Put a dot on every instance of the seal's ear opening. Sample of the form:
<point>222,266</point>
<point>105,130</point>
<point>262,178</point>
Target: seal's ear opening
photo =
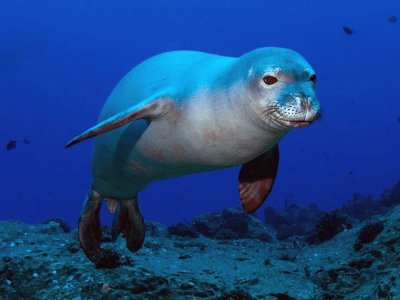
<point>144,110</point>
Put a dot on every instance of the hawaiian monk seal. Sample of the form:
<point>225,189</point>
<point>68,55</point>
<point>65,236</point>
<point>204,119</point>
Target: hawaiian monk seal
<point>185,112</point>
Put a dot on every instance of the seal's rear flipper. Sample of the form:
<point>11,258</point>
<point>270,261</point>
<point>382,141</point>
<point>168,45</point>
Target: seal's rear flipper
<point>148,109</point>
<point>89,230</point>
<point>129,221</point>
<point>256,179</point>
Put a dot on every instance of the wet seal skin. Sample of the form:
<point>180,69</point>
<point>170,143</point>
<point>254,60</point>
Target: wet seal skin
<point>186,112</point>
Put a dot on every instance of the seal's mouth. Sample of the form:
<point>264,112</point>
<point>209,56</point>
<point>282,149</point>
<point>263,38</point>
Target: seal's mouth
<point>290,116</point>
<point>280,120</point>
<point>293,123</point>
<point>297,123</point>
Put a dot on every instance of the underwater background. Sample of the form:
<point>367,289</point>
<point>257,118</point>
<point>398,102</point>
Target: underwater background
<point>59,61</point>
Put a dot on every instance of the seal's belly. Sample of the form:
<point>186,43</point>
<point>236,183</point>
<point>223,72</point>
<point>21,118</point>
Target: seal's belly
<point>168,149</point>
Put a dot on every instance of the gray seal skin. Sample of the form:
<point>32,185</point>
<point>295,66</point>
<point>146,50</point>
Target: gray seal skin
<point>186,112</point>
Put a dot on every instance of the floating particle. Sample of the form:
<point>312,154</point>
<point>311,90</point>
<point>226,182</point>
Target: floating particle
<point>392,19</point>
<point>347,30</point>
<point>11,145</point>
<point>26,141</point>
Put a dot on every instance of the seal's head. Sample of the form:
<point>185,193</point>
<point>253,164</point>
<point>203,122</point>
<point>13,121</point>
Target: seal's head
<point>281,87</point>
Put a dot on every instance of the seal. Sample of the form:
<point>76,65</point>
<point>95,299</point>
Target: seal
<point>185,112</point>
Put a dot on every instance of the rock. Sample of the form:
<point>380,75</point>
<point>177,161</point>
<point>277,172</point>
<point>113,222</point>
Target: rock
<point>226,234</point>
<point>42,262</point>
<point>282,296</point>
<point>51,228</point>
<point>360,207</point>
<point>75,235</point>
<point>108,260</point>
<point>293,220</point>
<point>208,225</point>
<point>232,224</point>
<point>155,229</point>
<point>64,226</point>
<point>72,247</point>
<point>284,232</point>
<point>106,235</point>
<point>274,218</point>
<point>183,230</point>
<point>235,295</point>
<point>391,196</point>
<point>361,263</point>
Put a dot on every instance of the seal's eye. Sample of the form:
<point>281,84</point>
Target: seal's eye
<point>269,80</point>
<point>313,78</point>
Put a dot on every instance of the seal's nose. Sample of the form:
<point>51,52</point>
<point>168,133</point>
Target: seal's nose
<point>308,106</point>
<point>303,103</point>
<point>312,109</point>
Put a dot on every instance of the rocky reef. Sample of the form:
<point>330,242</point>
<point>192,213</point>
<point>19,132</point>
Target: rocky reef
<point>298,253</point>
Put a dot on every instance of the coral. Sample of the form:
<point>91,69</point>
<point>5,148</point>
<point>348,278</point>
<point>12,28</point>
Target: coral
<point>370,231</point>
<point>368,234</point>
<point>331,224</point>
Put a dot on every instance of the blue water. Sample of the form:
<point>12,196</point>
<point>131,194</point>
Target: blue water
<point>59,60</point>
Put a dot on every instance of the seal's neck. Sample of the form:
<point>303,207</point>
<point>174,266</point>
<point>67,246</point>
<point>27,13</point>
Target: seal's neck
<point>259,133</point>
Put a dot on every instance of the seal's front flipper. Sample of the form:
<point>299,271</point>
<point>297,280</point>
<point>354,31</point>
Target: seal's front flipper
<point>256,178</point>
<point>129,221</point>
<point>89,230</point>
<point>148,109</point>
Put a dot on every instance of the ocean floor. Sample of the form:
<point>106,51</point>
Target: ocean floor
<point>225,255</point>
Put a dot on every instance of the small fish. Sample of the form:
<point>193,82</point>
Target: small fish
<point>11,145</point>
<point>26,141</point>
<point>351,172</point>
<point>347,30</point>
<point>392,19</point>
<point>398,119</point>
